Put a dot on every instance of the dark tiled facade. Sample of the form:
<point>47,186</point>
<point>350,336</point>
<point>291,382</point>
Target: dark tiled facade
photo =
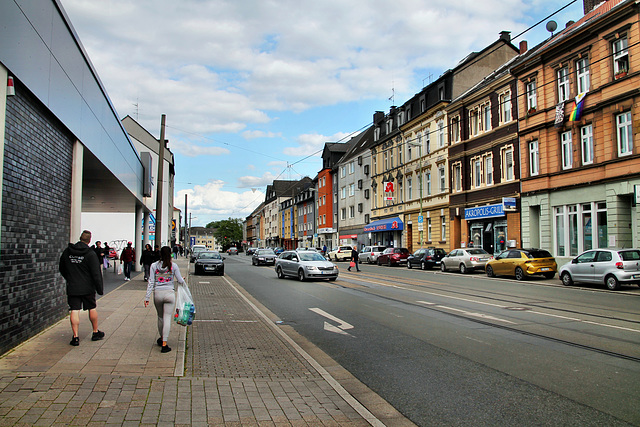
<point>36,198</point>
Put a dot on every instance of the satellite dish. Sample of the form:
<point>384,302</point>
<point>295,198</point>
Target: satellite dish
<point>551,26</point>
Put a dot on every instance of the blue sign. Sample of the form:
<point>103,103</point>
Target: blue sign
<point>489,211</point>
<point>420,218</point>
<point>193,240</point>
<point>390,224</point>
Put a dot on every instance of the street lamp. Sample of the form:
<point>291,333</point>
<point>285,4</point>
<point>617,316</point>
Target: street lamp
<point>420,218</point>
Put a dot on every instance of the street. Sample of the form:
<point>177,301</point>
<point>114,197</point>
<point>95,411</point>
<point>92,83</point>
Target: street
<point>445,348</point>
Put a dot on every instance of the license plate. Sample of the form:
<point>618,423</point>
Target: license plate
<point>545,269</point>
<point>209,268</point>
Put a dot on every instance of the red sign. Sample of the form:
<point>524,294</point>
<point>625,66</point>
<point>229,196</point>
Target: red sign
<point>388,187</point>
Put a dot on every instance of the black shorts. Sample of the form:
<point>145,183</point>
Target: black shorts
<point>82,302</point>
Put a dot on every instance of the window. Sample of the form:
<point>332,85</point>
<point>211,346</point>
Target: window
<point>576,227</point>
<point>376,133</point>
<point>457,176</point>
<point>343,213</point>
<point>563,84</point>
<point>389,126</point>
<point>534,158</point>
<point>409,189</point>
<point>343,171</point>
<point>443,229</point>
<point>567,150</point>
<point>391,164</point>
<point>385,157</point>
<point>352,211</point>
<point>427,141</point>
<point>532,95</point>
<point>582,75</point>
<point>488,169</point>
<point>440,133</point>
<point>476,169</point>
<point>620,56</point>
<point>586,142</point>
<point>352,167</point>
<point>408,151</point>
<point>442,178</point>
<point>455,129</point>
<point>474,122</point>
<point>505,107</point>
<point>507,163</point>
<point>428,179</point>
<point>375,164</point>
<point>486,117</point>
<point>625,134</point>
<point>352,189</point>
<point>428,229</point>
<point>343,193</point>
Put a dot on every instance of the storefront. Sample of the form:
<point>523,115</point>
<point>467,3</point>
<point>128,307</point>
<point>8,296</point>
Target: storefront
<point>385,232</point>
<point>489,227</point>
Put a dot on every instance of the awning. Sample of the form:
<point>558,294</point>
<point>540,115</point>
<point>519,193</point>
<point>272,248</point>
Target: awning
<point>388,224</point>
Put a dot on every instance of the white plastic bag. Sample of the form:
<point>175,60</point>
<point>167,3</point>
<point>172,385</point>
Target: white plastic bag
<point>120,269</point>
<point>185,308</point>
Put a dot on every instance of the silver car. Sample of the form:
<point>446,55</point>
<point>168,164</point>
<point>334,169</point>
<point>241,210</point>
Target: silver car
<point>465,260</point>
<point>263,256</point>
<point>370,254</point>
<point>609,266</point>
<point>305,265</point>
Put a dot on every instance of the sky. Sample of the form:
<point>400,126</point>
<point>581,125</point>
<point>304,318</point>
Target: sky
<point>253,89</point>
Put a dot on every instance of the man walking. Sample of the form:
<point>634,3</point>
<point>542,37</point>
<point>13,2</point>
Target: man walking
<point>79,266</point>
<point>128,257</point>
<point>354,259</point>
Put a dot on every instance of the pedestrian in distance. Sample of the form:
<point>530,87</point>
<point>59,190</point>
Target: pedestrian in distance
<point>99,250</point>
<point>147,258</point>
<point>80,268</point>
<point>106,255</point>
<point>128,257</point>
<point>162,278</point>
<point>354,258</point>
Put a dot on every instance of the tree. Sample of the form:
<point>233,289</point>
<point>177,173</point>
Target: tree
<point>227,231</point>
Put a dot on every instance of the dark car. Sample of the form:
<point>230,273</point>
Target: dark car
<point>426,258</point>
<point>393,256</point>
<point>195,249</point>
<point>250,251</point>
<point>264,256</point>
<point>209,262</point>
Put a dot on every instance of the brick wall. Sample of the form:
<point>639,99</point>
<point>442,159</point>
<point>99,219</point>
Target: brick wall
<point>35,219</point>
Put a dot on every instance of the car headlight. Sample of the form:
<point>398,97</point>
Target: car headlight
<point>312,267</point>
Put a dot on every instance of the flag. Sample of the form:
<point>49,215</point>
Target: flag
<point>578,104</point>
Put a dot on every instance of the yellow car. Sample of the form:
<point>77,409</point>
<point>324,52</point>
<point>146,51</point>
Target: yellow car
<point>522,263</point>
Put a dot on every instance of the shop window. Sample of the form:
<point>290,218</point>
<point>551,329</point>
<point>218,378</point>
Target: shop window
<point>574,226</point>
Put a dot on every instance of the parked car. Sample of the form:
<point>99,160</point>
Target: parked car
<point>209,262</point>
<point>194,251</point>
<point>305,265</point>
<point>341,253</point>
<point>465,260</point>
<point>264,256</point>
<point>232,250</point>
<point>370,254</point>
<point>278,251</point>
<point>426,258</point>
<point>393,256</point>
<point>522,263</point>
<point>611,267</point>
<point>113,254</point>
<point>250,251</point>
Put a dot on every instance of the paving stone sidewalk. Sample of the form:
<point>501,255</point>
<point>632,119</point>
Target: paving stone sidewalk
<point>231,367</point>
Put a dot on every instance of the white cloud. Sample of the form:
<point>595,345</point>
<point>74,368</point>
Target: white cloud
<point>256,181</point>
<point>312,143</point>
<point>253,134</point>
<point>211,201</point>
<point>192,150</point>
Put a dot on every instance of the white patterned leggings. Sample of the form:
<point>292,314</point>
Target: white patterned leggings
<point>164,301</point>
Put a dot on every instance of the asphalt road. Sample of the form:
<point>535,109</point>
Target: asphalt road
<point>451,349</point>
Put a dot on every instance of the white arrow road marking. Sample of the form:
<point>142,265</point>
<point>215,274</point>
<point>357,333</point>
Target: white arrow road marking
<point>342,325</point>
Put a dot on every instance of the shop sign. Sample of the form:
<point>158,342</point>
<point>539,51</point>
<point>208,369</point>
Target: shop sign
<point>509,204</point>
<point>489,211</point>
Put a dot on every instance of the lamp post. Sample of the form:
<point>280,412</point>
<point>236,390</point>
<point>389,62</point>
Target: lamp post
<point>420,218</point>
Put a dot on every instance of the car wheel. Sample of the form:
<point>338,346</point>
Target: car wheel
<point>519,274</point>
<point>423,265</point>
<point>369,261</point>
<point>612,282</point>
<point>301,275</point>
<point>335,258</point>
<point>549,276</point>
<point>443,267</point>
<point>222,272</point>
<point>490,272</point>
<point>408,265</point>
<point>333,279</point>
<point>379,262</point>
<point>279,273</point>
<point>566,279</point>
<point>463,268</point>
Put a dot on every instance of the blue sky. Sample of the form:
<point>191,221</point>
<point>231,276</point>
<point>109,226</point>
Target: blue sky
<point>252,86</point>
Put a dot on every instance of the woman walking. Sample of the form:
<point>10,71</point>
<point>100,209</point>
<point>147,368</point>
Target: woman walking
<point>147,258</point>
<point>162,276</point>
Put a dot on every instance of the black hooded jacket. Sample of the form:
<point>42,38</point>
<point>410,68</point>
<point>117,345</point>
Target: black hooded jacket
<point>80,267</point>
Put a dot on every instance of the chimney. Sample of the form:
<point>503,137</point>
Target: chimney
<point>523,47</point>
<point>589,5</point>
<point>506,36</point>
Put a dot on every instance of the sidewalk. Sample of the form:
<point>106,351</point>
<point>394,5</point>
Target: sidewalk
<point>232,367</point>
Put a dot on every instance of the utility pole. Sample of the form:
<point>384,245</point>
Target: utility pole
<point>160,186</point>
<point>187,240</point>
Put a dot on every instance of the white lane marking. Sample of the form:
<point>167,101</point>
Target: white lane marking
<point>470,313</point>
<point>587,321</point>
<point>339,329</point>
